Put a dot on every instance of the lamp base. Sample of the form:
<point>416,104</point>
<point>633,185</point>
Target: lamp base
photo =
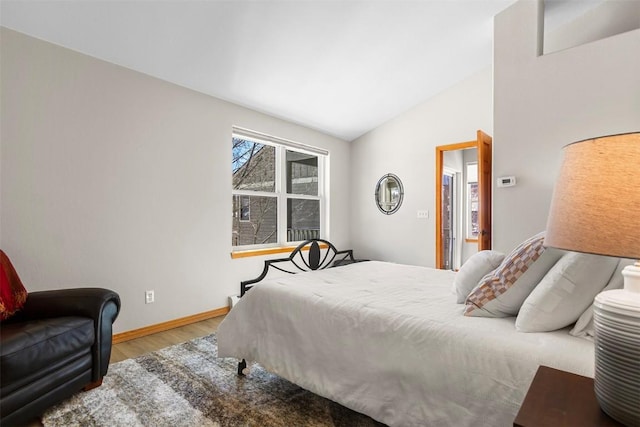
<point>616,318</point>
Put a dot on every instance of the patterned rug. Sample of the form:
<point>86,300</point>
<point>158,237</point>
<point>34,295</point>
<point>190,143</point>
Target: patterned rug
<point>188,385</point>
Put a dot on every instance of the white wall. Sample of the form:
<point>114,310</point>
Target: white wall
<point>588,87</point>
<point>406,146</point>
<point>545,102</point>
<point>115,179</point>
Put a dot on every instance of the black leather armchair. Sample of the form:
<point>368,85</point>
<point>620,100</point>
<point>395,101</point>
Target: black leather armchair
<point>58,344</point>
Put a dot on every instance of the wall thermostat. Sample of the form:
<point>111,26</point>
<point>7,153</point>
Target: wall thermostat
<point>506,181</point>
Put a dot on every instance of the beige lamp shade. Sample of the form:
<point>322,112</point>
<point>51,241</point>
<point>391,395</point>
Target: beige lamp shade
<point>596,201</point>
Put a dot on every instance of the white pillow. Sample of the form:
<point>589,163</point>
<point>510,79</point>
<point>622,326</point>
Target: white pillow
<point>565,292</point>
<point>474,269</point>
<point>584,325</point>
<point>502,292</point>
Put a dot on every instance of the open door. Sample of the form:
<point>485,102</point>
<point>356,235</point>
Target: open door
<point>483,143</point>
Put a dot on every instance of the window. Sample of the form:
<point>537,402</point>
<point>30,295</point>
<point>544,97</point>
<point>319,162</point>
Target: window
<point>245,208</point>
<point>472,200</point>
<point>277,191</point>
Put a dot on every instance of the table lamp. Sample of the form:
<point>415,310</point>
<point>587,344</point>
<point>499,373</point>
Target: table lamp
<point>596,209</point>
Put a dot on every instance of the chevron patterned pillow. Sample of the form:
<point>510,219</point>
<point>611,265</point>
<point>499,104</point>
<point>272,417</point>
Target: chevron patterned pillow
<point>502,292</point>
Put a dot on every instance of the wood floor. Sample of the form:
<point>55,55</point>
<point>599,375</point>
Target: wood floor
<point>140,346</point>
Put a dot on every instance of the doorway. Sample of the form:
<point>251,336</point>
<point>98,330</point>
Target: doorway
<point>450,208</point>
<point>468,213</point>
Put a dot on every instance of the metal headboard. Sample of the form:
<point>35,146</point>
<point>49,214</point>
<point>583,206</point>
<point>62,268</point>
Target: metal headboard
<point>297,261</point>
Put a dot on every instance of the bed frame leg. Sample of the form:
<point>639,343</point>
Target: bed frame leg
<point>242,368</point>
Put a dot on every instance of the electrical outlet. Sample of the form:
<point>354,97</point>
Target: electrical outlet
<point>149,297</point>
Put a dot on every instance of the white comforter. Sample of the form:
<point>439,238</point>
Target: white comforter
<point>389,341</point>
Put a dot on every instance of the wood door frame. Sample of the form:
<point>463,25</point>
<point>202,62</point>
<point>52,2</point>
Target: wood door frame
<point>440,150</point>
<point>485,186</point>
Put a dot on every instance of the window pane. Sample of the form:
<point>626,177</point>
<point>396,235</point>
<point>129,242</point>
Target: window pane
<point>245,208</point>
<point>302,173</point>
<point>253,166</point>
<point>303,219</point>
<point>472,172</point>
<point>254,220</point>
<point>473,229</point>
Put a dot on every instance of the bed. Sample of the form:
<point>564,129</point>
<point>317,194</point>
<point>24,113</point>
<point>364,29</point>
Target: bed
<point>389,341</point>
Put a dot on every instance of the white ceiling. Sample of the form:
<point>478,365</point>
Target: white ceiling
<point>342,67</point>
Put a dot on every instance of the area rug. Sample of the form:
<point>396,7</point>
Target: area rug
<point>188,385</point>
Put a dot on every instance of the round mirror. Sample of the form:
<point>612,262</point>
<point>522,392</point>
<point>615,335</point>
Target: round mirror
<point>389,194</point>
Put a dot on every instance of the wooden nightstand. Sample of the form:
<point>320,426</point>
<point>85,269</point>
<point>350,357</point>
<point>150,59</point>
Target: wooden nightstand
<point>558,398</point>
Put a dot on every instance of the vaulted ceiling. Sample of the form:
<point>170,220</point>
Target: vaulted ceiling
<point>342,67</point>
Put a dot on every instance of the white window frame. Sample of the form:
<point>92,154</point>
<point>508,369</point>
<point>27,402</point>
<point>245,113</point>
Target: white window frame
<point>281,146</point>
